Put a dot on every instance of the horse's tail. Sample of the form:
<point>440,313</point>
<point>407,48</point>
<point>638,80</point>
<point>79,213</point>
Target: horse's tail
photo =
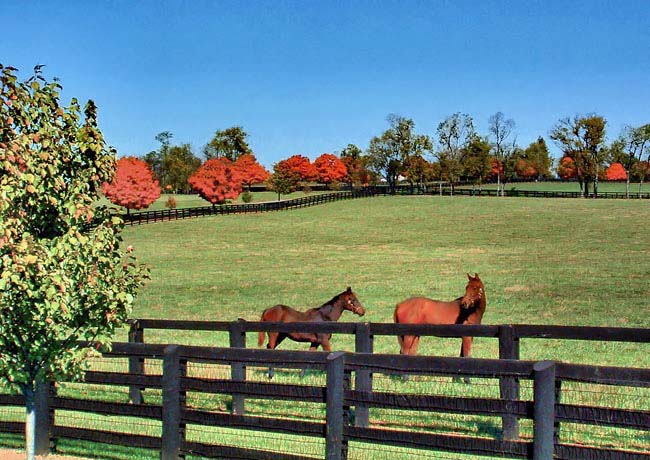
<point>262,334</point>
<point>400,338</point>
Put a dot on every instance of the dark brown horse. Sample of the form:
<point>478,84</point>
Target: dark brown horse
<point>329,311</point>
<point>467,309</point>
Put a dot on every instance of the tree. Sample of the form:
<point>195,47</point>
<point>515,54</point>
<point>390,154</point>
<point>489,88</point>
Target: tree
<point>155,158</point>
<point>454,134</point>
<point>250,170</point>
<point>352,158</point>
<point>616,171</point>
<point>217,180</point>
<point>501,128</point>
<point>629,149</point>
<point>388,153</point>
<point>64,278</point>
<point>477,163</point>
<point>179,163</point>
<point>284,179</point>
<point>539,158</point>
<point>133,185</point>
<point>566,168</point>
<point>418,171</point>
<point>302,167</point>
<point>330,168</point>
<point>581,138</point>
<point>228,143</point>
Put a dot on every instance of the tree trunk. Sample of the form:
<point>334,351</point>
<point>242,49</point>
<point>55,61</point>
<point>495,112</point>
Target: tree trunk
<point>30,423</point>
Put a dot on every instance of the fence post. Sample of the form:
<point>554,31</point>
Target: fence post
<point>334,406</point>
<point>173,398</point>
<point>237,336</point>
<point>136,364</point>
<point>363,344</point>
<point>544,410</point>
<point>509,386</point>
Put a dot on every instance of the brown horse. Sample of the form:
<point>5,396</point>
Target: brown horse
<point>329,311</point>
<point>467,309</point>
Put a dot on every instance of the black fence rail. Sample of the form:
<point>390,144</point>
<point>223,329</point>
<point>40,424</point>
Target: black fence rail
<point>145,217</point>
<point>185,396</point>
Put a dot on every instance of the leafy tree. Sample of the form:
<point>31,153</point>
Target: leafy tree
<point>330,168</point>
<point>454,134</point>
<point>616,171</point>
<point>228,143</point>
<point>387,154</point>
<point>501,128</point>
<point>419,171</point>
<point>155,158</point>
<point>301,165</point>
<point>629,149</point>
<point>217,180</point>
<point>538,157</point>
<point>63,280</point>
<point>477,163</point>
<point>352,158</point>
<point>250,170</point>
<point>179,163</point>
<point>284,179</point>
<point>566,168</point>
<point>581,138</point>
<point>642,171</point>
<point>133,185</point>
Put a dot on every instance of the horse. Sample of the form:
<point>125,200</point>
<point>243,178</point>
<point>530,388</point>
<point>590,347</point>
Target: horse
<point>468,309</point>
<point>329,311</point>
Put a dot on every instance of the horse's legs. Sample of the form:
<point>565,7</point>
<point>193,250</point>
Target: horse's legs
<point>275,338</point>
<point>465,349</point>
<point>410,344</point>
<point>314,347</point>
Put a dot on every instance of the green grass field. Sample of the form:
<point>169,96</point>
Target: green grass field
<point>571,262</point>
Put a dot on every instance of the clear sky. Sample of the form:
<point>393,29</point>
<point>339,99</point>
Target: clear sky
<point>312,76</point>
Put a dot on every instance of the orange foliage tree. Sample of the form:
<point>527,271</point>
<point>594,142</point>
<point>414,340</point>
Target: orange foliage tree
<point>567,168</point>
<point>250,170</point>
<point>217,180</point>
<point>524,169</point>
<point>616,171</point>
<point>330,168</point>
<point>133,186</point>
<point>302,167</point>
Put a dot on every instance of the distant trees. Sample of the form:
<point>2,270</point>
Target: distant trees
<point>616,171</point>
<point>133,185</point>
<point>629,148</point>
<point>217,180</point>
<point>501,129</point>
<point>581,138</point>
<point>250,170</point>
<point>454,135</point>
<point>388,154</point>
<point>172,164</point>
<point>285,179</point>
<point>228,143</point>
<point>302,167</point>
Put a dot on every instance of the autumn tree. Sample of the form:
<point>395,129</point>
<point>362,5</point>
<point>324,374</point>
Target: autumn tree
<point>250,170</point>
<point>387,154</point>
<point>65,278</point>
<point>133,185</point>
<point>581,138</point>
<point>616,171</point>
<point>454,134</point>
<point>351,156</point>
<point>476,160</point>
<point>538,158</point>
<point>566,168</point>
<point>302,167</point>
<point>418,171</point>
<point>217,180</point>
<point>330,168</point>
<point>629,150</point>
<point>284,179</point>
<point>501,129</point>
<point>228,143</point>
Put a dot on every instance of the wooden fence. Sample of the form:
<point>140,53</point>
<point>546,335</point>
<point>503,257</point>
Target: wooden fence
<point>145,217</point>
<point>544,409</point>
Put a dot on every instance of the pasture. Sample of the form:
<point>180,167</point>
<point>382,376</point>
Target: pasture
<point>567,262</point>
<point>572,262</point>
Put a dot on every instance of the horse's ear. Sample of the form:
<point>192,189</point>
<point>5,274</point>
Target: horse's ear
<point>349,289</point>
<point>476,276</point>
<point>469,277</point>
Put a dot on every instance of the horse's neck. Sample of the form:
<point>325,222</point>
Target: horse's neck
<point>464,313</point>
<point>330,312</point>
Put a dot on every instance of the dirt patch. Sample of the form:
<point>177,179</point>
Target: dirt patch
<point>517,288</point>
<point>12,454</point>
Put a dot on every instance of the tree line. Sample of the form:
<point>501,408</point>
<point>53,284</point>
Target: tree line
<point>455,153</point>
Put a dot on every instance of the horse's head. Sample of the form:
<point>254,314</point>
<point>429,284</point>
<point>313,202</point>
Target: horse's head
<point>351,303</point>
<point>474,292</point>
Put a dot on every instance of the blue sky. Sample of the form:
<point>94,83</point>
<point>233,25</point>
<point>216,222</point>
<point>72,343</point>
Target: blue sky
<point>312,76</point>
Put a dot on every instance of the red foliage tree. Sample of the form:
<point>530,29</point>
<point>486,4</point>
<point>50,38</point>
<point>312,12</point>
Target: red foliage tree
<point>217,180</point>
<point>250,170</point>
<point>496,168</point>
<point>302,166</point>
<point>567,168</point>
<point>616,171</point>
<point>524,169</point>
<point>133,186</point>
<point>330,168</point>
